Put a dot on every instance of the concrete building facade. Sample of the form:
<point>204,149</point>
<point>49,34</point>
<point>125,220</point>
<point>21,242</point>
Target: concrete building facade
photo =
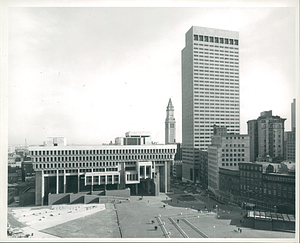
<point>134,138</point>
<point>266,137</point>
<point>170,125</point>
<point>227,151</point>
<point>75,169</point>
<point>210,91</point>
<point>290,145</point>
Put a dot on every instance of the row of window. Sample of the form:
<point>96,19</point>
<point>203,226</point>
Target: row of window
<point>217,62</point>
<point>75,165</point>
<point>92,152</point>
<point>217,56</point>
<point>233,155</point>
<point>214,93</point>
<point>215,83</point>
<point>250,167</point>
<point>228,99</point>
<point>91,158</point>
<point>274,192</point>
<point>108,179</point>
<point>234,159</point>
<point>132,177</point>
<point>279,178</point>
<point>218,46</point>
<point>216,108</point>
<point>216,50</point>
<point>229,164</point>
<point>212,39</point>
<point>214,78</point>
<point>211,104</point>
<point>250,174</point>
<point>234,150</point>
<point>215,117</point>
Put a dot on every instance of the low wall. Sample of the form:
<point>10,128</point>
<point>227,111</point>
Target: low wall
<point>27,198</point>
<point>118,193</point>
<point>54,199</point>
<point>289,225</point>
<point>262,224</point>
<point>77,198</point>
<point>277,225</point>
<point>91,199</point>
<point>114,196</point>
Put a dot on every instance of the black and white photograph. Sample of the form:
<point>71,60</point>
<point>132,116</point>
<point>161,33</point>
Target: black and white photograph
<point>154,121</point>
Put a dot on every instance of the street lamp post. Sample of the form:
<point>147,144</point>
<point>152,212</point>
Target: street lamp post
<point>198,220</point>
<point>186,213</point>
<point>214,230</point>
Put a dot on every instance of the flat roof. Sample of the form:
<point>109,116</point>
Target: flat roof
<point>107,147</point>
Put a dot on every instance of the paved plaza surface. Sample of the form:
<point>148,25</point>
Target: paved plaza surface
<point>164,216</point>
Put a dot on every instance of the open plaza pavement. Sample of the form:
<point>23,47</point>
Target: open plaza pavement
<point>163,216</point>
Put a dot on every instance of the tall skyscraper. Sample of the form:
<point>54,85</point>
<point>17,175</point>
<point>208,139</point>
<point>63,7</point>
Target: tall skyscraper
<point>170,128</point>
<point>293,115</point>
<point>266,137</point>
<point>290,136</point>
<point>210,91</point>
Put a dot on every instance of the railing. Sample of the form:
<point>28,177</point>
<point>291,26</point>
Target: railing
<point>178,228</point>
<point>195,228</point>
<point>163,228</point>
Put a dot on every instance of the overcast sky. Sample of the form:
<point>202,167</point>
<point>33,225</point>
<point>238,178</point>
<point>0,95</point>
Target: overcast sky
<point>92,74</point>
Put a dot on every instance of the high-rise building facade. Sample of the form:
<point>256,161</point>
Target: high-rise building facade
<point>170,125</point>
<point>293,115</point>
<point>290,136</point>
<point>210,91</point>
<point>266,138</point>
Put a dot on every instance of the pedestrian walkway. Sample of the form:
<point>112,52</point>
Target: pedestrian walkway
<point>138,219</point>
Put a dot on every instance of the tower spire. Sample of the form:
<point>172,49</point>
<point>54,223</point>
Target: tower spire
<point>170,124</point>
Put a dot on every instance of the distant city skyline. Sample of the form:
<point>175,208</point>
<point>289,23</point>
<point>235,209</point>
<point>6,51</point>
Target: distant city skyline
<point>92,74</point>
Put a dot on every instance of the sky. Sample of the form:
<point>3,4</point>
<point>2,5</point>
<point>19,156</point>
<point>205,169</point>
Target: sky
<point>93,74</point>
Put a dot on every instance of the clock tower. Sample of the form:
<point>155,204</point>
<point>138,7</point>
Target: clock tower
<point>170,125</point>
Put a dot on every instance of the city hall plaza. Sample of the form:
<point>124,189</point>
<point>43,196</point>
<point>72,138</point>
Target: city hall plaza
<point>139,217</point>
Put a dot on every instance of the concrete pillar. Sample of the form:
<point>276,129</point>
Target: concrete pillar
<point>136,188</point>
<point>39,188</point>
<point>57,182</point>
<point>166,176</point>
<point>65,182</point>
<point>92,184</point>
<point>78,181</point>
<point>43,188</point>
<point>145,171</point>
<point>148,186</point>
<point>158,182</point>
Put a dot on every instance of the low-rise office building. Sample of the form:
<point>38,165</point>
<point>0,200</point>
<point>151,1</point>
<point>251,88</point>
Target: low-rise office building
<point>74,169</point>
<point>227,150</point>
<point>271,184</point>
<point>229,180</point>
